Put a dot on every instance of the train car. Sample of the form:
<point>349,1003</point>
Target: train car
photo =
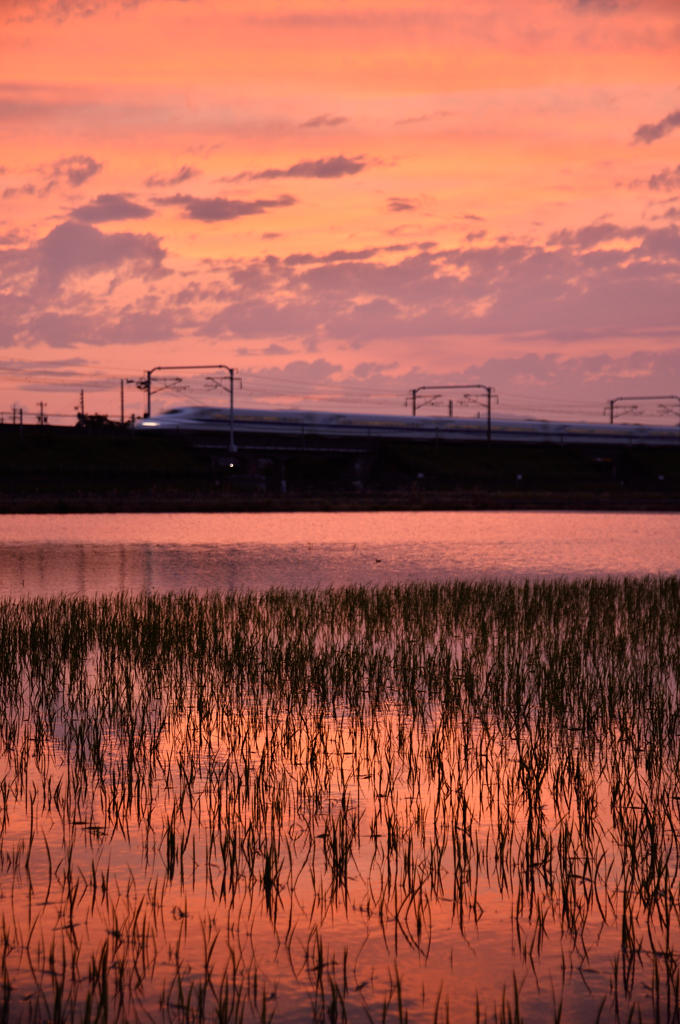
<point>265,428</point>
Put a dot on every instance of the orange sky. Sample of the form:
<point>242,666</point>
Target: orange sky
<point>342,199</point>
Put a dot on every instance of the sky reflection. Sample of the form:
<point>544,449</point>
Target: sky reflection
<point>90,554</point>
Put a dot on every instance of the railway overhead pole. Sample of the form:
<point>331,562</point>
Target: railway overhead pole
<point>458,387</point>
<point>145,385</point>
<point>645,398</point>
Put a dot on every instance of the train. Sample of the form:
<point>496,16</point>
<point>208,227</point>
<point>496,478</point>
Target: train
<point>299,429</point>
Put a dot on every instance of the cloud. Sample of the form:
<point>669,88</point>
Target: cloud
<point>599,281</point>
<point>271,350</point>
<point>300,371</point>
<point>218,209</point>
<point>77,169</point>
<point>600,5</point>
<point>323,121</point>
<point>397,205</point>
<point>651,132</point>
<point>571,380</point>
<point>337,256</point>
<point>331,167</point>
<point>185,173</point>
<point>81,249</point>
<point>570,289</point>
<point>108,207</point>
<point>60,10</point>
<point>666,180</point>
<point>595,234</point>
<point>72,249</point>
<point>12,237</point>
<point>64,330</point>
<point>22,190</point>
<point>44,288</point>
<point>424,117</point>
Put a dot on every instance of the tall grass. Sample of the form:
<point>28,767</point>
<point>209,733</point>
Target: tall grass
<point>432,802</point>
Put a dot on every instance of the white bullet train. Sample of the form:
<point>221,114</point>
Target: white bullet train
<point>262,428</point>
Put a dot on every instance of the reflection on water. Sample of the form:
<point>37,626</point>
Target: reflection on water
<point>343,806</point>
<point>231,551</point>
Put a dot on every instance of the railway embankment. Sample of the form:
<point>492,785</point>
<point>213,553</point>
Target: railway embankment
<point>111,469</point>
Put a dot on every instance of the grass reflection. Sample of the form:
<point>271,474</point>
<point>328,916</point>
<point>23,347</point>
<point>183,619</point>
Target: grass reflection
<point>432,802</point>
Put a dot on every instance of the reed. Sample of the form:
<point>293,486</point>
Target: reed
<point>425,803</point>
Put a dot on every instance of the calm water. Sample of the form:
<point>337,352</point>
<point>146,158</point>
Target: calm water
<point>165,551</point>
<point>319,808</point>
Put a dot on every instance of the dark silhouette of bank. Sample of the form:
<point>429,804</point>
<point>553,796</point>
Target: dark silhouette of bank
<point>101,465</point>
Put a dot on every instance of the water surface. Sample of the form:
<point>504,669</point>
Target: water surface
<point>88,554</point>
<point>343,806</point>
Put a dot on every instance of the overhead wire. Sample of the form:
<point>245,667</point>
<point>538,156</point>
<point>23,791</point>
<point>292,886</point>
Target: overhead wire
<point>268,388</point>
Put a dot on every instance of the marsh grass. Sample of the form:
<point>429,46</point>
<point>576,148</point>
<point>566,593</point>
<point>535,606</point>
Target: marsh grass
<point>425,803</point>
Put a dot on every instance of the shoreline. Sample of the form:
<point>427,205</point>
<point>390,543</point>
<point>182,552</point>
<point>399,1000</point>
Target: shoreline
<point>513,501</point>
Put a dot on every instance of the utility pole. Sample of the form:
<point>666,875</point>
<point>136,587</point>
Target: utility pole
<point>82,403</point>
<point>42,418</point>
<point>459,387</point>
<point>122,402</point>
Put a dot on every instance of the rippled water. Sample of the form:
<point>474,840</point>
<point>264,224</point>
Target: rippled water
<point>90,554</point>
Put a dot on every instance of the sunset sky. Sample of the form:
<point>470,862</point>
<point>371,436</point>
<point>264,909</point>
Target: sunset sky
<point>343,199</point>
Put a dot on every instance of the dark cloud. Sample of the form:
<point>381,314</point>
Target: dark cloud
<point>424,117</point>
<point>185,173</point>
<point>337,256</point>
<point>323,121</point>
<point>666,180</point>
<point>77,169</point>
<point>474,236</point>
<point>211,210</point>
<point>109,207</point>
<point>398,205</point>
<point>21,190</point>
<point>330,167</point>
<point>651,132</point>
